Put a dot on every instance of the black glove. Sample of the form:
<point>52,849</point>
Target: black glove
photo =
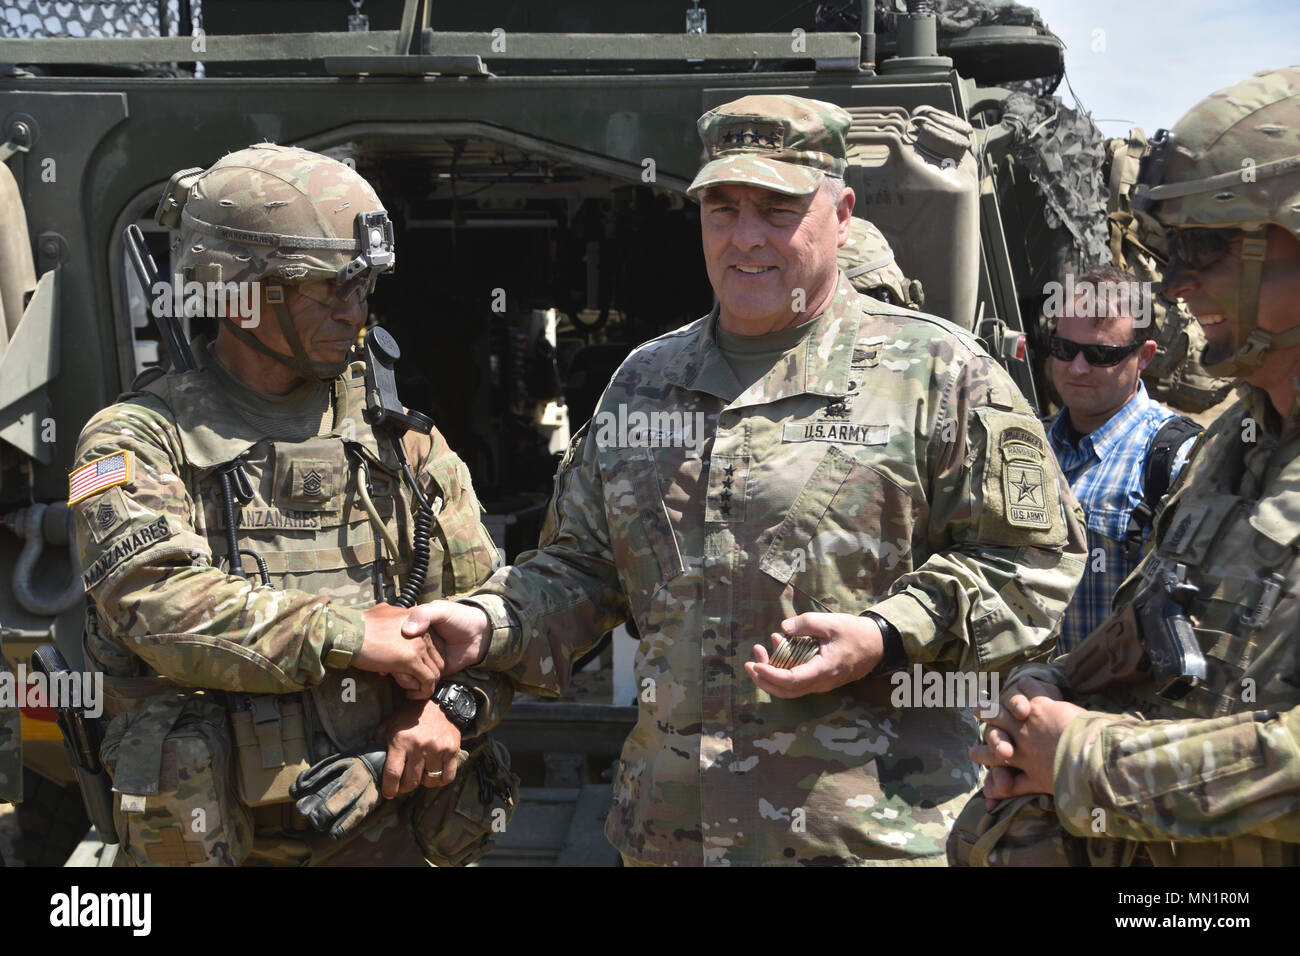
<point>337,793</point>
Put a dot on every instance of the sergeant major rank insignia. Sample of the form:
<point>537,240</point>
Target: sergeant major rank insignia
<point>311,482</point>
<point>105,515</point>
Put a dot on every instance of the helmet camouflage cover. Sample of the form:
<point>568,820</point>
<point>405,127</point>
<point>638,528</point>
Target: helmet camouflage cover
<point>279,212</point>
<point>1233,162</point>
<point>283,214</point>
<point>868,263</point>
<point>1234,159</point>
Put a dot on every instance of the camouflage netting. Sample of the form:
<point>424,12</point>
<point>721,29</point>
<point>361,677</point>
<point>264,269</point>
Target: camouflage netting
<point>958,16</point>
<point>952,16</point>
<point>35,19</point>
<point>1064,151</point>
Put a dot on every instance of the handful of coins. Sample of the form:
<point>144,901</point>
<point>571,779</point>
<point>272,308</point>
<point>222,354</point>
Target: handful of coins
<point>795,651</point>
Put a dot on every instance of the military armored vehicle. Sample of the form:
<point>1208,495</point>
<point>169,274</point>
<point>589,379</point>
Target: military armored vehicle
<point>534,160</point>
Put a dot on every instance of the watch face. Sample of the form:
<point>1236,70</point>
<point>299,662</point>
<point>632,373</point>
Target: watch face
<point>459,704</point>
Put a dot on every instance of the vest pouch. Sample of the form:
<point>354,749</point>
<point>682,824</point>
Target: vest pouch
<point>271,743</point>
<point>1021,831</point>
<point>1113,654</point>
<point>454,824</point>
<point>170,760</point>
<point>1226,656</point>
<point>310,475</point>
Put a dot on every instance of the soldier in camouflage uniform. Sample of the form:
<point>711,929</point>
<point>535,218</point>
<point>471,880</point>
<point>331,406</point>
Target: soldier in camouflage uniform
<point>803,458</point>
<point>867,261</point>
<point>289,642</point>
<point>1175,376</point>
<point>1209,777</point>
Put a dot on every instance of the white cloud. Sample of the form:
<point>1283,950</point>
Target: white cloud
<point>1145,62</point>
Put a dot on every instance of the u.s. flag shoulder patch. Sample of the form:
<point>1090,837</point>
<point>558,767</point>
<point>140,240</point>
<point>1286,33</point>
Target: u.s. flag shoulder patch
<point>95,476</point>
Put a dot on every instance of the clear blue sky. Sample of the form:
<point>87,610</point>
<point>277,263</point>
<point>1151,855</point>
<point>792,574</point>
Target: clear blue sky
<point>1145,62</point>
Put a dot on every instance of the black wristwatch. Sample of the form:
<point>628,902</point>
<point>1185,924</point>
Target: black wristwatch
<point>458,703</point>
<point>895,656</point>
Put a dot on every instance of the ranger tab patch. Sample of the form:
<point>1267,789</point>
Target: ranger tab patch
<point>1024,481</point>
<point>1020,484</point>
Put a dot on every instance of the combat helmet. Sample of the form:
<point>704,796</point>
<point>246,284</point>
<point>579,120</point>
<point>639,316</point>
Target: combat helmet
<point>868,263</point>
<point>278,215</point>
<point>1233,162</point>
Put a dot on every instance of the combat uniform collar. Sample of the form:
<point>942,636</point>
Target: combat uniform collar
<point>700,365</point>
<point>211,433</point>
<point>1260,406</point>
<point>819,367</point>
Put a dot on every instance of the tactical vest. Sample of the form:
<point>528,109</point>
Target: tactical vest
<point>308,527</point>
<point>1241,552</point>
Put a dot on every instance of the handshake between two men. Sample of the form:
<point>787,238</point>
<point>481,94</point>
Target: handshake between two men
<point>434,640</point>
<point>424,745</point>
<point>419,743</point>
<point>420,647</point>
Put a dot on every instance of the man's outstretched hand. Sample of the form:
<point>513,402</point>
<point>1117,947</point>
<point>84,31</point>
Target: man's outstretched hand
<point>461,632</point>
<point>850,649</point>
<point>414,662</point>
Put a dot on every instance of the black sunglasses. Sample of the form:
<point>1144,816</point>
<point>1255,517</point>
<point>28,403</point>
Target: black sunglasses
<point>1099,356</point>
<point>1199,248</point>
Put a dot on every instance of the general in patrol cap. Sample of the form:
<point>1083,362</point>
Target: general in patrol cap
<point>775,141</point>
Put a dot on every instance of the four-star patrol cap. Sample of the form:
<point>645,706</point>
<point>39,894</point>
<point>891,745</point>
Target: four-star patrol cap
<point>775,141</point>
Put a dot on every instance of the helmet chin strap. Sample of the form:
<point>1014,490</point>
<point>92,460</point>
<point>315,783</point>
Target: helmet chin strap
<point>1257,341</point>
<point>299,361</point>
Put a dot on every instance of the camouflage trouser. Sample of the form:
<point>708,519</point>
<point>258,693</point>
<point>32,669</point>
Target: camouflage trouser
<point>177,802</point>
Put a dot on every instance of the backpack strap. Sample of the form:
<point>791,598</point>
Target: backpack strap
<point>1157,476</point>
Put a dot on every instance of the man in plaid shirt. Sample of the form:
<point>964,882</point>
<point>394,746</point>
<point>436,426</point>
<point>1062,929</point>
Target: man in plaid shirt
<point>1103,435</point>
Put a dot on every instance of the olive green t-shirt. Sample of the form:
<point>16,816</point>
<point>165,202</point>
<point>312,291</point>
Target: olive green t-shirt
<point>752,356</point>
<point>295,416</point>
